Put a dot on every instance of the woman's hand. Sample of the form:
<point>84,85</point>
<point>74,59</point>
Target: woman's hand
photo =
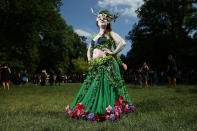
<point>124,66</point>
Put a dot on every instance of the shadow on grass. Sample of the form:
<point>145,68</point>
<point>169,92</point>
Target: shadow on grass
<point>150,105</point>
<point>134,86</point>
<point>186,120</point>
<point>191,90</point>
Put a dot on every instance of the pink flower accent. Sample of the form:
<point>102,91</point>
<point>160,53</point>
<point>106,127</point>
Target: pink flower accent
<point>112,117</point>
<point>120,107</point>
<point>108,108</point>
<point>134,108</point>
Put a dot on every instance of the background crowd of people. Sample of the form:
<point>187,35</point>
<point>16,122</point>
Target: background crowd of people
<point>144,76</point>
<point>7,78</point>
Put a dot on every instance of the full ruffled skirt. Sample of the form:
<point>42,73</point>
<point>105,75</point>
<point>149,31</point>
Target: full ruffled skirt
<point>103,94</point>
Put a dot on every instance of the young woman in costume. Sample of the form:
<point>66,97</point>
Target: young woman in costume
<point>103,95</point>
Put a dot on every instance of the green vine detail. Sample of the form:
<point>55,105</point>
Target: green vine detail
<point>99,61</point>
<point>108,44</point>
<point>117,57</point>
<point>99,67</point>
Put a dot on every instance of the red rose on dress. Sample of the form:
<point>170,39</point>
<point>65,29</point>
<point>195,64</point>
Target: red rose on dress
<point>117,103</point>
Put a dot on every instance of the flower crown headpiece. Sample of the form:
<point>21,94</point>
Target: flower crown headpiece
<point>106,12</point>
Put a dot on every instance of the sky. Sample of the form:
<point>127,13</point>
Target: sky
<point>78,14</point>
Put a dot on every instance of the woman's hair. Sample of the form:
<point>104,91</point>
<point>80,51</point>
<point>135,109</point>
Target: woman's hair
<point>108,28</point>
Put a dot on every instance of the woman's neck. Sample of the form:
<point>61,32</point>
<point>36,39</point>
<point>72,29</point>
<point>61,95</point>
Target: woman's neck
<point>102,31</point>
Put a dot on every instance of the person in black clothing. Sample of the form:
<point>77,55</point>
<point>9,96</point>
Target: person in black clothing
<point>151,75</point>
<point>36,79</point>
<point>18,79</point>
<point>51,77</point>
<point>171,71</point>
<point>140,77</point>
<point>59,76</point>
<point>5,76</point>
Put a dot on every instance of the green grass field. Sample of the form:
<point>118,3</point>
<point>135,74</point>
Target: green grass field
<point>159,108</point>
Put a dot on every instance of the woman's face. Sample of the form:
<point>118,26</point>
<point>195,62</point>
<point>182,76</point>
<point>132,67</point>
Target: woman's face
<point>102,20</point>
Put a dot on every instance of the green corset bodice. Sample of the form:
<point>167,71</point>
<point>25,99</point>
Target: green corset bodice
<point>103,42</point>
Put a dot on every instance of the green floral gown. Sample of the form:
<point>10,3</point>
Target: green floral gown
<point>103,95</point>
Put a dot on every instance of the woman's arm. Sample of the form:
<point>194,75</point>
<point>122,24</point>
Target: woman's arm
<point>146,67</point>
<point>88,52</point>
<point>121,44</point>
<point>9,70</point>
<point>117,39</point>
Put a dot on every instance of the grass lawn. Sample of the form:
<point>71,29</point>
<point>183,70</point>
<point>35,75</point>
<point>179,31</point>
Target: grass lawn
<point>159,108</point>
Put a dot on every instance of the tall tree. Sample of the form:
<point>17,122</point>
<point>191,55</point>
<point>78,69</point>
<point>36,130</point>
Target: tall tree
<point>164,28</point>
<point>34,36</point>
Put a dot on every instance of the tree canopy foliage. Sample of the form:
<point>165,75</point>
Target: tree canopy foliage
<point>164,27</point>
<point>80,65</point>
<point>34,36</point>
